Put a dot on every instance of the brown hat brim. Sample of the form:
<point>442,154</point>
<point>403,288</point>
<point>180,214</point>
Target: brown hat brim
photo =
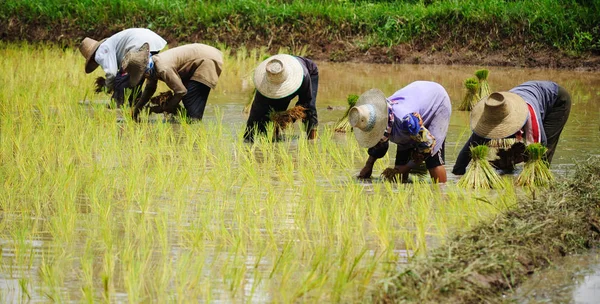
<point>488,123</point>
<point>90,62</point>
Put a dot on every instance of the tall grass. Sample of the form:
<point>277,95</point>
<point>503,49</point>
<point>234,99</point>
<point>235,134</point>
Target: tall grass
<point>569,25</point>
<point>99,210</point>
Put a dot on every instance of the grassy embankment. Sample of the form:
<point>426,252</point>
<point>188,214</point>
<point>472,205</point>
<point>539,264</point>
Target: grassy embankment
<point>488,262</point>
<point>93,210</point>
<point>335,30</point>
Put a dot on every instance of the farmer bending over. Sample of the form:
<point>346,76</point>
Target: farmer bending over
<point>191,71</point>
<point>278,80</point>
<point>532,112</point>
<point>109,53</point>
<point>415,118</point>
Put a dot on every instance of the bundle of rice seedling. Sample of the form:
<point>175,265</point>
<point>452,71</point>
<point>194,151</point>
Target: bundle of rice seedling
<point>159,104</point>
<point>283,119</point>
<point>480,174</point>
<point>100,85</point>
<point>472,96</point>
<point>506,152</point>
<point>343,125</point>
<point>484,87</point>
<point>536,172</point>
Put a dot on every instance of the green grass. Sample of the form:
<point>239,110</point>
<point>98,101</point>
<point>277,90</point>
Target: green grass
<point>94,210</point>
<point>568,25</point>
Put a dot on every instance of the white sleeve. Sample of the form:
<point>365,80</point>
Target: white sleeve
<point>107,59</point>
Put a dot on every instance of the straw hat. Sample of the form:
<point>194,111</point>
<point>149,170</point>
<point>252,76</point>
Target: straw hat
<point>499,115</point>
<point>369,118</point>
<point>135,62</point>
<point>88,48</point>
<point>278,76</point>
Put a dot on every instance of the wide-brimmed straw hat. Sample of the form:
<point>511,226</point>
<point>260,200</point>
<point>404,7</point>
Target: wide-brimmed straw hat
<point>135,63</point>
<point>278,76</point>
<point>499,115</point>
<point>88,48</point>
<point>369,118</point>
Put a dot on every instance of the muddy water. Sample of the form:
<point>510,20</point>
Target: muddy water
<point>579,140</point>
<point>573,279</point>
<point>576,279</point>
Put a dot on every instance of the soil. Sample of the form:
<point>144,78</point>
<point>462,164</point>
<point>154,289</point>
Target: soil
<point>513,51</point>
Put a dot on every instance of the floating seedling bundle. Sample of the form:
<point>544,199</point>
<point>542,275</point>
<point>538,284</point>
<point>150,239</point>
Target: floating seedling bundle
<point>536,172</point>
<point>472,96</point>
<point>480,174</point>
<point>484,87</point>
<point>343,125</point>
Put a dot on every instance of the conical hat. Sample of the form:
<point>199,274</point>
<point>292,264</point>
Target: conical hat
<point>88,48</point>
<point>499,115</point>
<point>135,63</point>
<point>369,118</point>
<point>278,76</point>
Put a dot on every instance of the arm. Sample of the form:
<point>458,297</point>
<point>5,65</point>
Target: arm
<point>258,117</point>
<point>107,59</point>
<point>173,81</point>
<point>149,90</point>
<point>464,156</point>
<point>376,152</point>
<point>306,99</point>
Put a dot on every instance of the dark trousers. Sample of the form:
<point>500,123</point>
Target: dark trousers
<point>195,99</point>
<point>555,121</point>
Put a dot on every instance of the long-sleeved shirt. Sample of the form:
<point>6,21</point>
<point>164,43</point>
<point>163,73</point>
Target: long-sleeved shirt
<point>540,96</point>
<point>431,101</point>
<point>198,62</point>
<point>111,52</point>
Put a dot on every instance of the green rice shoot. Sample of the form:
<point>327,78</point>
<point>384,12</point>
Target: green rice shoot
<point>484,87</point>
<point>472,96</point>
<point>536,171</point>
<point>480,174</point>
<point>343,125</point>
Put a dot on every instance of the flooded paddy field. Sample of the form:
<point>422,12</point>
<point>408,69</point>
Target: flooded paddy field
<point>93,209</point>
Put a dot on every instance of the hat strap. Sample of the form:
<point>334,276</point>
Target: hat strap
<point>388,131</point>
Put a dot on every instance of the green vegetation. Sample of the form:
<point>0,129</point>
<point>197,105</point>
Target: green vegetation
<point>98,208</point>
<point>536,172</point>
<point>343,125</point>
<point>481,174</point>
<point>484,86</point>
<point>489,261</point>
<point>569,25</point>
<point>471,95</point>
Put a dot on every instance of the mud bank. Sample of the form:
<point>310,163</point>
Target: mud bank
<point>490,261</point>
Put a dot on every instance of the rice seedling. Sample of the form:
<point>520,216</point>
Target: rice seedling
<point>97,207</point>
<point>536,171</point>
<point>472,95</point>
<point>480,174</point>
<point>284,119</point>
<point>343,125</point>
<point>484,86</point>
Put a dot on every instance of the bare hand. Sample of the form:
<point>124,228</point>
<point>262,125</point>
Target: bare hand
<point>365,172</point>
